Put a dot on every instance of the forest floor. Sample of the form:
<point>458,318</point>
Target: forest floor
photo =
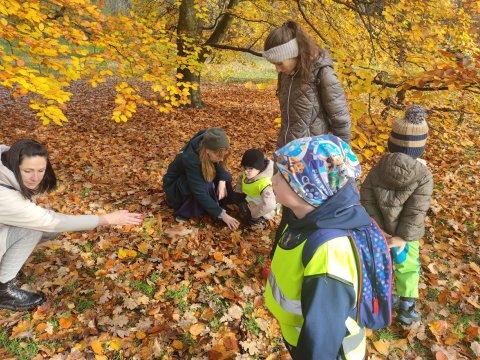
<point>194,291</point>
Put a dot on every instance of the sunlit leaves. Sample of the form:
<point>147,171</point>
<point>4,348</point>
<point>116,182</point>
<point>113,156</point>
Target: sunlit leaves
<point>64,41</point>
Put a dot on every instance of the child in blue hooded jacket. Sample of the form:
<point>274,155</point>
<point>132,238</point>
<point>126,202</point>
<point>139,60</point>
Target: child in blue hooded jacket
<point>315,299</point>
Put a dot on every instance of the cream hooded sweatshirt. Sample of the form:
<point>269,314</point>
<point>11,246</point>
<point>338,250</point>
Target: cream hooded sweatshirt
<point>17,211</point>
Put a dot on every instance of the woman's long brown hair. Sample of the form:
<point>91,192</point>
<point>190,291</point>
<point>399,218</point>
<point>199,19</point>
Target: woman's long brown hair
<point>308,50</point>
<point>208,166</point>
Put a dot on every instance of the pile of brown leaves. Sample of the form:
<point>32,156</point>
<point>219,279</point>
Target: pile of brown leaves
<point>194,290</point>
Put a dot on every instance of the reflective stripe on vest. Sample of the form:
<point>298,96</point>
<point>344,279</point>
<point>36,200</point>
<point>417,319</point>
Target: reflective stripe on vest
<point>254,189</point>
<point>354,345</point>
<point>291,306</point>
<point>286,289</point>
<point>283,289</point>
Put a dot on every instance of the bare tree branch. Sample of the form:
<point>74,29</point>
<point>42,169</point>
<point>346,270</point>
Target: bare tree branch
<point>234,48</point>
<point>211,27</point>
<point>299,5</point>
<point>253,20</point>
<point>223,24</point>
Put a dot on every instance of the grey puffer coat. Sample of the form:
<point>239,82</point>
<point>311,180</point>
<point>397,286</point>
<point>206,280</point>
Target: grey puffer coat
<point>316,108</point>
<point>397,194</point>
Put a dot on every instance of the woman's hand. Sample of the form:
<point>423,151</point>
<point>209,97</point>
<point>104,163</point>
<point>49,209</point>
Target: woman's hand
<point>121,217</point>
<point>222,189</point>
<point>397,241</point>
<point>231,222</point>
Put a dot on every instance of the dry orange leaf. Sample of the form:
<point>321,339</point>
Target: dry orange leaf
<point>208,314</point>
<point>108,264</point>
<point>258,301</point>
<point>241,274</point>
<point>177,344</point>
<point>41,327</point>
<point>382,346</point>
<point>218,256</point>
<point>230,341</point>
<point>196,329</point>
<point>229,294</point>
<point>66,322</point>
<point>438,328</point>
<point>440,356</point>
<point>475,267</point>
<point>143,247</point>
<point>21,327</point>
<point>452,339</point>
<point>97,347</point>
<point>401,344</point>
<point>472,331</point>
<point>140,335</point>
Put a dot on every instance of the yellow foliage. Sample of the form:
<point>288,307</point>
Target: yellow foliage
<point>97,347</point>
<point>126,253</point>
<point>78,45</point>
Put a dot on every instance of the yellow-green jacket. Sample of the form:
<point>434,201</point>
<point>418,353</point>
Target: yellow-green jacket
<point>259,192</point>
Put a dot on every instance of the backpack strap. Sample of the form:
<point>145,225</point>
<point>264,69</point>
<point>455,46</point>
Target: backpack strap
<point>317,239</point>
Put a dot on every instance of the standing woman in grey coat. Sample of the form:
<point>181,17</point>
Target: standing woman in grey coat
<point>25,170</point>
<point>312,100</point>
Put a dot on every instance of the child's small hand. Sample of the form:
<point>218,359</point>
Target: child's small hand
<point>397,241</point>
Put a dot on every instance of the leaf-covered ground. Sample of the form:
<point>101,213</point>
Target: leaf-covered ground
<point>194,291</point>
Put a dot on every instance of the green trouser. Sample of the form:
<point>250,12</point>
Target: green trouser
<point>407,273</point>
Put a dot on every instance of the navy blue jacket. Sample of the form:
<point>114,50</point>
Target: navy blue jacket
<point>184,178</point>
<point>326,301</point>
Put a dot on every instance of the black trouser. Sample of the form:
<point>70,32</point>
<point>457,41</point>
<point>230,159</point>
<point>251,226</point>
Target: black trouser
<point>291,349</point>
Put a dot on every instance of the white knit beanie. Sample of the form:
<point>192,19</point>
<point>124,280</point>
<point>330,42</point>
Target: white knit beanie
<point>283,52</point>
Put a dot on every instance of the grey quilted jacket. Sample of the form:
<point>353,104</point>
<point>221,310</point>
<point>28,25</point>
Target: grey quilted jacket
<point>397,194</point>
<point>316,108</point>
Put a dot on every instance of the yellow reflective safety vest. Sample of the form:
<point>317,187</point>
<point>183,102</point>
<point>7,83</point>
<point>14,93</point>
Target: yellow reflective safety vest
<point>254,189</point>
<point>335,259</point>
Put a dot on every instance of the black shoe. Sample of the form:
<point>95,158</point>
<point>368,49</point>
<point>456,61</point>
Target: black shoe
<point>259,223</point>
<point>260,220</point>
<point>406,313</point>
<point>13,298</point>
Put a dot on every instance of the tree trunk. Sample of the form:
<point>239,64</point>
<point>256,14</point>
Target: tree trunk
<point>188,27</point>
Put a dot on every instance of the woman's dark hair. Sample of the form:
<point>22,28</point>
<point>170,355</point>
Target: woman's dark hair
<point>308,50</point>
<point>17,153</point>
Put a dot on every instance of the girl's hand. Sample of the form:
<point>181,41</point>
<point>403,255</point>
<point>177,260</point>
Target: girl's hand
<point>397,241</point>
<point>222,189</point>
<point>121,217</point>
<point>231,222</point>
